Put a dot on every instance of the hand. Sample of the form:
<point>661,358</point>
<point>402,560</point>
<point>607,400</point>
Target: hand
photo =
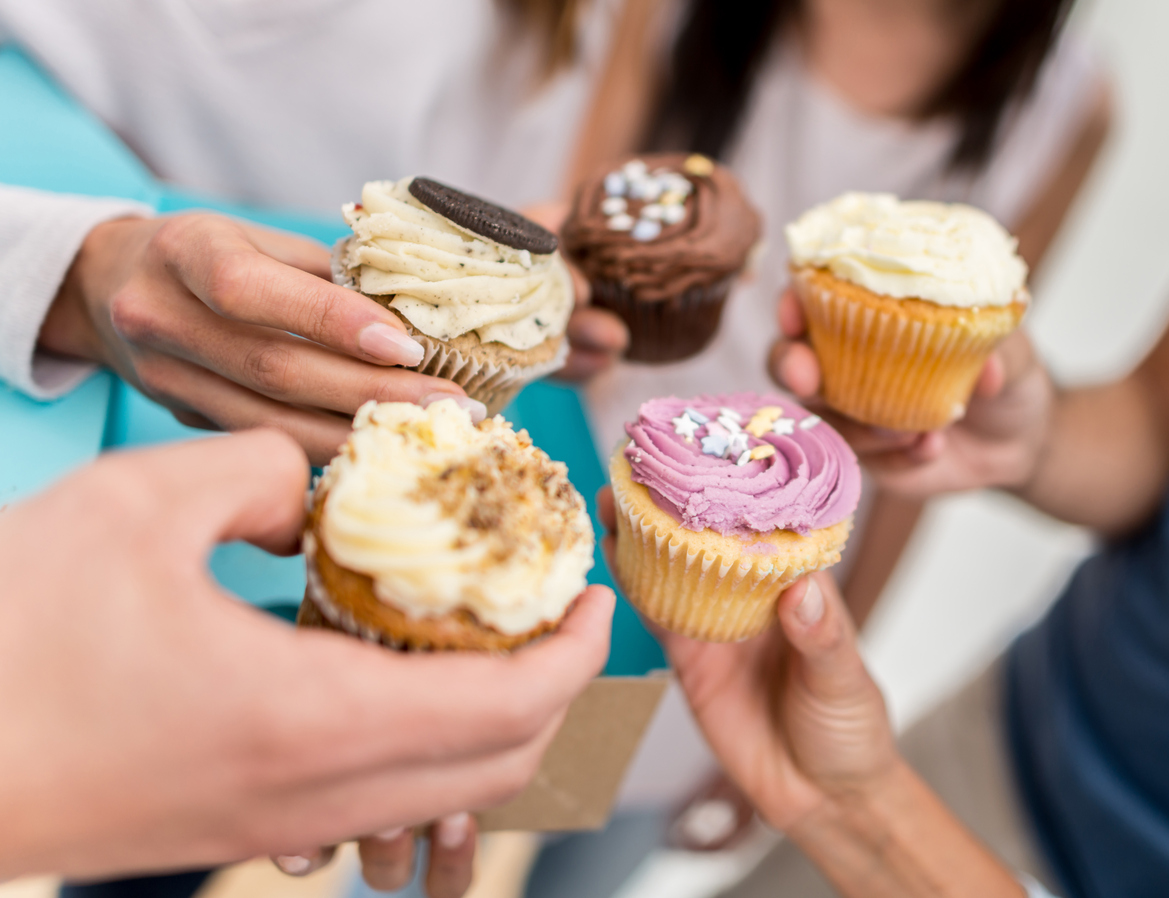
<point>998,443</point>
<point>153,721</point>
<point>206,316</point>
<point>792,715</point>
<point>387,859</point>
<point>596,337</point>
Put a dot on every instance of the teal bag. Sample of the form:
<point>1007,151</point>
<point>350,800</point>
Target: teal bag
<point>48,142</point>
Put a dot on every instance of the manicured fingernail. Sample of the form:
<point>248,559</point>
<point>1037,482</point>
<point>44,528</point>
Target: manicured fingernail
<point>294,864</point>
<point>451,831</point>
<point>476,408</point>
<point>389,345</point>
<point>390,835</point>
<point>811,607</point>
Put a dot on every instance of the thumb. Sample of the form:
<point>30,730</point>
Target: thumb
<point>819,629</point>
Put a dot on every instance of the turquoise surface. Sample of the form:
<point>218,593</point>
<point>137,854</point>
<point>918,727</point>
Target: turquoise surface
<point>48,142</point>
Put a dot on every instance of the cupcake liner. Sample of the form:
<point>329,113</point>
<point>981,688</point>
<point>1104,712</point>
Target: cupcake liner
<point>888,368</point>
<point>666,330</point>
<point>338,616</point>
<point>494,384</point>
<point>698,592</point>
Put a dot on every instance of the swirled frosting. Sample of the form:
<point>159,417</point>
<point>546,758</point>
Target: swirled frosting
<point>442,514</point>
<point>788,470</point>
<point>447,280</point>
<point>948,253</point>
<point>710,242</point>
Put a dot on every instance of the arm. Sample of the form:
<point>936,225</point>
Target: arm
<point>893,518</point>
<point>152,721</point>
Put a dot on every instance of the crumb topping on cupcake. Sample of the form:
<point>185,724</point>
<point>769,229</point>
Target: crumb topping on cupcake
<point>947,253</point>
<point>442,514</point>
<point>446,279</point>
<point>743,464</point>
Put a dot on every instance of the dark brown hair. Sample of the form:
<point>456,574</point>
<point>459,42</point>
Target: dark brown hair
<point>723,44</point>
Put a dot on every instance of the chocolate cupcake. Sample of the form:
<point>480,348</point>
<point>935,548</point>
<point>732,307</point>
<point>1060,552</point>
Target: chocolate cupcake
<point>661,239</point>
<point>480,287</point>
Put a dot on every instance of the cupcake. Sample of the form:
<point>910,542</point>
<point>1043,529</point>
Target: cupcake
<point>429,533</point>
<point>904,303</point>
<point>660,240</point>
<point>480,287</point>
<point>722,503</point>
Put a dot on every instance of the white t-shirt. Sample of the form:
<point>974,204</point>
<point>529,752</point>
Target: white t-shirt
<point>802,145</point>
<point>288,103</point>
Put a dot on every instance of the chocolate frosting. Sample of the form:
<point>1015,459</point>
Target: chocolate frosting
<point>709,244</point>
<point>810,480</point>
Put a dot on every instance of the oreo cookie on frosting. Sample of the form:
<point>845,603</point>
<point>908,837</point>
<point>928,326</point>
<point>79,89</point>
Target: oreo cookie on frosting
<point>480,287</point>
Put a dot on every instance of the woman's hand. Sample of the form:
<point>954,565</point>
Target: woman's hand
<point>596,337</point>
<point>998,443</point>
<point>231,326</point>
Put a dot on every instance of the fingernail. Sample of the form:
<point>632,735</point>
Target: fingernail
<point>389,345</point>
<point>811,607</point>
<point>293,864</point>
<point>476,408</point>
<point>451,832</point>
<point>390,835</point>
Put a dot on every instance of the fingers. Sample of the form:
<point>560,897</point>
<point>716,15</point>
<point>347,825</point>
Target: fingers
<point>818,628</point>
<point>607,507</point>
<point>218,262</point>
<point>304,864</point>
<point>291,249</point>
<point>597,339</point>
<point>387,860</point>
<point>250,486</point>
<point>794,367</point>
<point>792,322</point>
<point>452,856</point>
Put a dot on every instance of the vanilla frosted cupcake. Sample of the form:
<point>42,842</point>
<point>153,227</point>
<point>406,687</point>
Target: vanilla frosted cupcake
<point>722,503</point>
<point>481,288</point>
<point>905,302</point>
<point>428,532</point>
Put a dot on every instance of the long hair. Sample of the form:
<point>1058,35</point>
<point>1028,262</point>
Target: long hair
<point>723,45</point>
<point>554,25</point>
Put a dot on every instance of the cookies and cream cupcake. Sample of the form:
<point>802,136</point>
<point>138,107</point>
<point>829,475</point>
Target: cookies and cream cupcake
<point>722,503</point>
<point>482,288</point>
<point>428,532</point>
<point>660,240</point>
<point>904,302</point>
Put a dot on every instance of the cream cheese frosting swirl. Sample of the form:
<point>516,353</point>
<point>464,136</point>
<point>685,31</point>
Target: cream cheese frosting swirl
<point>950,254</point>
<point>448,281</point>
<point>805,477</point>
<point>442,514</point>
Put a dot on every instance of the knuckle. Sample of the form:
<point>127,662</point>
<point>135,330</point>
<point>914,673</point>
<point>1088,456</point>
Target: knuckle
<point>320,316</point>
<point>271,368</point>
<point>229,283</point>
<point>133,316</point>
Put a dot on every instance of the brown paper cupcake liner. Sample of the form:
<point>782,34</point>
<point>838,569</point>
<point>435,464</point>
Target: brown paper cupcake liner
<point>492,383</point>
<point>691,589</point>
<point>666,330</point>
<point>884,366</point>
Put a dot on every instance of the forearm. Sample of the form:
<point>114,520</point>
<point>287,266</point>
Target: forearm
<point>1105,460</point>
<point>897,839</point>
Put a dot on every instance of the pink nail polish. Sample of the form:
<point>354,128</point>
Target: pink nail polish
<point>451,832</point>
<point>811,607</point>
<point>390,835</point>
<point>388,344</point>
<point>294,864</point>
<point>477,409</point>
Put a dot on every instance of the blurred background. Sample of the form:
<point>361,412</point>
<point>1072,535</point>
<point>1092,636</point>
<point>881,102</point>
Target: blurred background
<point>981,566</point>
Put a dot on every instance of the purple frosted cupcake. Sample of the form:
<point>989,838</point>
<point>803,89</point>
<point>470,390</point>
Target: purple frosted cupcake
<point>661,239</point>
<point>722,503</point>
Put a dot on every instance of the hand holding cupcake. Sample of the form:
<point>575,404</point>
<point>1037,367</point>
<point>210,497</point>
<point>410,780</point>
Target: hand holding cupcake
<point>722,503</point>
<point>904,303</point>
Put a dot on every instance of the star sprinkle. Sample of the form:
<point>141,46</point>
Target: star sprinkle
<point>761,452</point>
<point>715,444</point>
<point>725,412</point>
<point>762,420</point>
<point>731,425</point>
<point>698,165</point>
<point>696,416</point>
<point>739,443</point>
<point>784,427</point>
<point>614,205</point>
<point>744,458</point>
<point>686,427</point>
<point>646,229</point>
<point>616,183</point>
<point>621,222</point>
<point>809,422</point>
